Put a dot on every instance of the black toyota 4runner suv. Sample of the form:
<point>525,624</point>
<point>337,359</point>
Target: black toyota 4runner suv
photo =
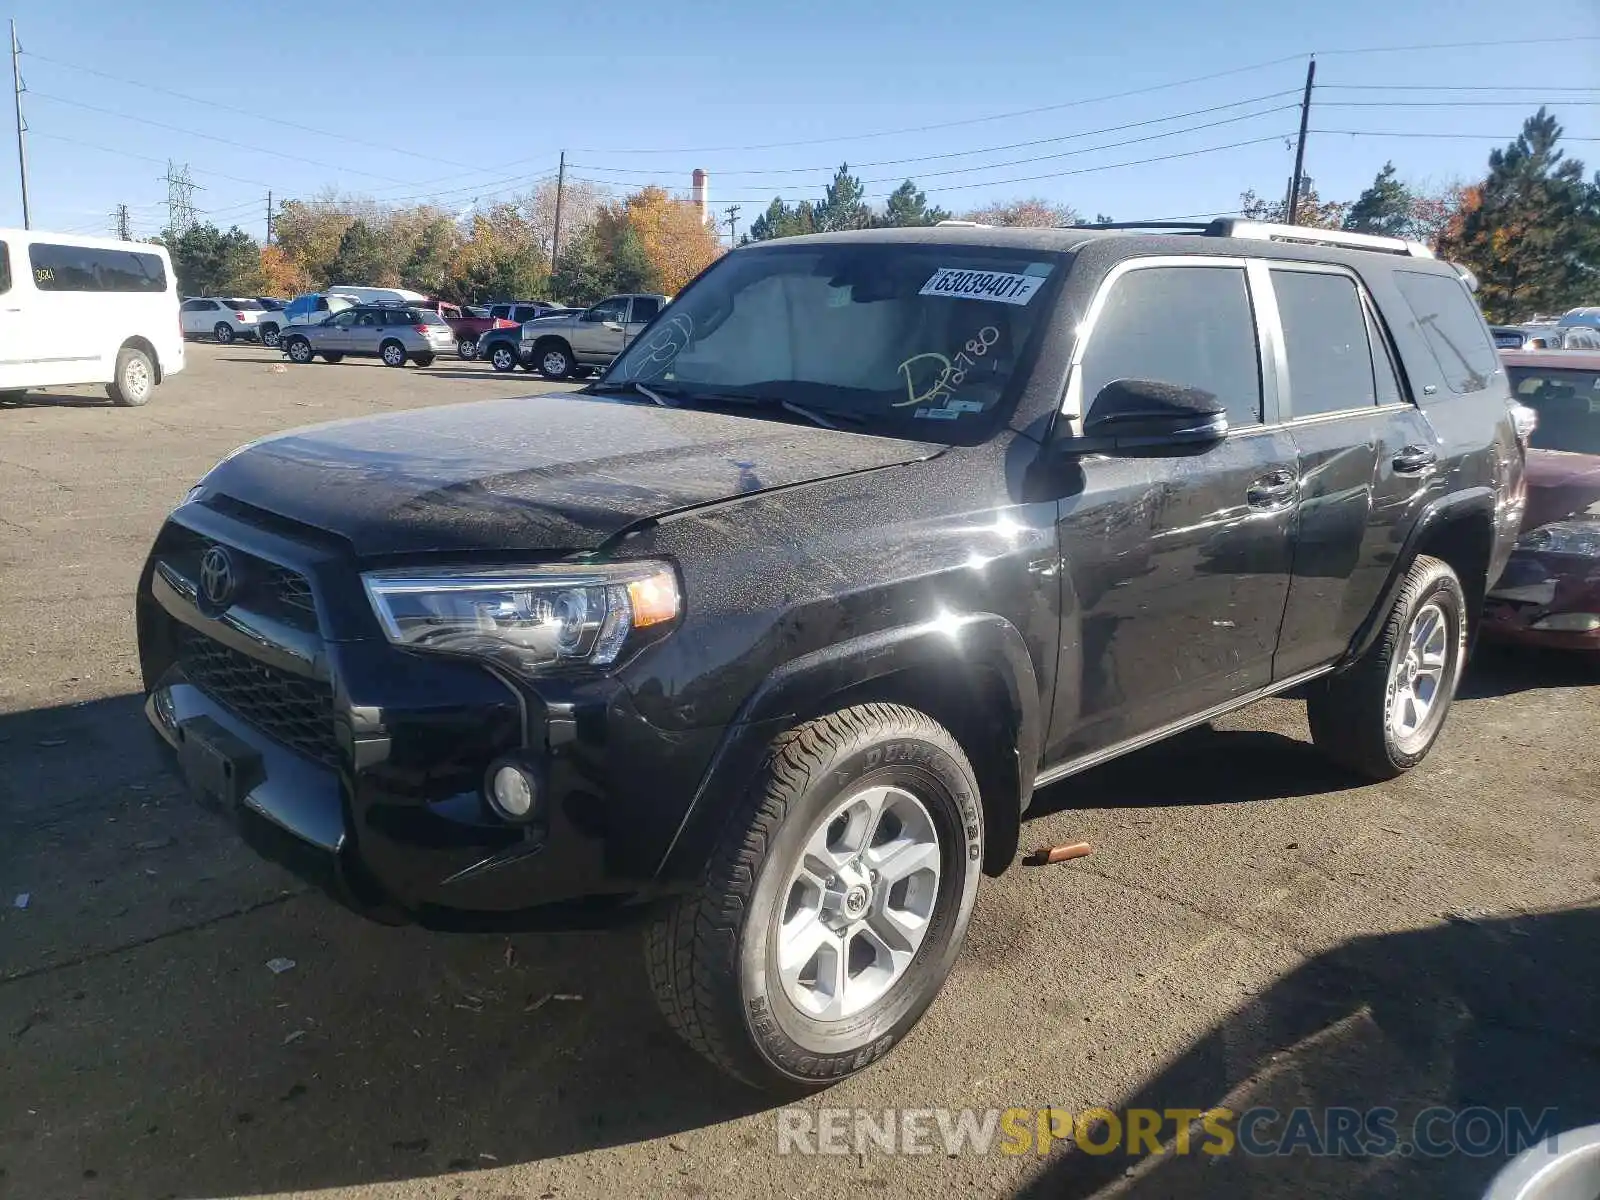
<point>772,632</point>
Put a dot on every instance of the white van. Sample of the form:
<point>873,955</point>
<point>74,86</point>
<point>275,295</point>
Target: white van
<point>86,310</point>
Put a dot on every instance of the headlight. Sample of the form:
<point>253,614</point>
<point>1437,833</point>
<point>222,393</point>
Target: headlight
<point>526,618</point>
<point>1564,537</point>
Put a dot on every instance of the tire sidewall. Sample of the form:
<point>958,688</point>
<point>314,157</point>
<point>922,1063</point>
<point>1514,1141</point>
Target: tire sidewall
<point>392,359</point>
<point>271,336</point>
<point>299,350</point>
<point>1444,590</point>
<point>811,1052</point>
<point>467,349</point>
<point>566,359</point>
<point>223,333</point>
<point>495,359</point>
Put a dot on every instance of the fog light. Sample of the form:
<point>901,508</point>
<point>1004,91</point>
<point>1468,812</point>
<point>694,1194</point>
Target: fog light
<point>165,712</point>
<point>1570,623</point>
<point>513,791</point>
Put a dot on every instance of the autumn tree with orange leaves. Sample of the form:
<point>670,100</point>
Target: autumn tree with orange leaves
<point>677,243</point>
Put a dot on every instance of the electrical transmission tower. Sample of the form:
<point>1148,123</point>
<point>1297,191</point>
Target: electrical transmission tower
<point>121,219</point>
<point>180,199</point>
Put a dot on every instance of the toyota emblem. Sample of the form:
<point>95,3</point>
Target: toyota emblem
<point>217,580</point>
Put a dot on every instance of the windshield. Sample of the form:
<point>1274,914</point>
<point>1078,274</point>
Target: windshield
<point>921,340</point>
<point>1568,404</point>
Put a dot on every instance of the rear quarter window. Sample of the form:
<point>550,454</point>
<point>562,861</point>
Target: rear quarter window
<point>5,268</point>
<point>1452,327</point>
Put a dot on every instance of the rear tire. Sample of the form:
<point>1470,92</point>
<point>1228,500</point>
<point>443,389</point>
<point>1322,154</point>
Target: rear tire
<point>423,360</point>
<point>223,332</point>
<point>333,358</point>
<point>299,350</point>
<point>851,863</point>
<point>135,379</point>
<point>1381,716</point>
<point>393,354</point>
<point>467,348</point>
<point>270,337</point>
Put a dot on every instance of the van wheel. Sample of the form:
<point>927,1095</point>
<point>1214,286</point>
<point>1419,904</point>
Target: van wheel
<point>393,354</point>
<point>223,332</point>
<point>1381,716</point>
<point>834,907</point>
<point>135,378</point>
<point>270,336</point>
<point>299,350</point>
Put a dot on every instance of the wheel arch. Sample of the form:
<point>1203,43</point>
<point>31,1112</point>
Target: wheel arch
<point>1458,529</point>
<point>974,677</point>
<point>144,344</point>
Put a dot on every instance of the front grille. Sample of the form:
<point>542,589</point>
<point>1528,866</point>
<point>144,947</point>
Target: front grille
<point>264,587</point>
<point>295,711</point>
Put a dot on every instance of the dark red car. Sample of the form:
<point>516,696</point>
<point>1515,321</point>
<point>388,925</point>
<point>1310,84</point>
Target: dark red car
<point>1550,591</point>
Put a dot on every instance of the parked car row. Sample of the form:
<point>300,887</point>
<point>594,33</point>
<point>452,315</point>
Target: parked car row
<point>1546,336</point>
<point>562,343</point>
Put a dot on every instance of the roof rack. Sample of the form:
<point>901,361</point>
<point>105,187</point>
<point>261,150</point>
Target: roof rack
<point>953,223</point>
<point>1265,232</point>
<point>1183,226</point>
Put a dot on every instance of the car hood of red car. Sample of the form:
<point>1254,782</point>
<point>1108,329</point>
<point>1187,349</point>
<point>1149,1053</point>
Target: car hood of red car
<point>1560,485</point>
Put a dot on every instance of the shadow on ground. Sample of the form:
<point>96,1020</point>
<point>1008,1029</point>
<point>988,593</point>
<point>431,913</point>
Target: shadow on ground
<point>149,1050</point>
<point>1503,670</point>
<point>1494,1015</point>
<point>47,400</point>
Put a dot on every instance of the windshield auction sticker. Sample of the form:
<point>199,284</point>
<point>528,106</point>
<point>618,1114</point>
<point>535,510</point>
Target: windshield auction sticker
<point>961,284</point>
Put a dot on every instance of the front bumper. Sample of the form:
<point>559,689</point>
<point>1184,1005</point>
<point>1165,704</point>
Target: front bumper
<point>1538,590</point>
<point>361,767</point>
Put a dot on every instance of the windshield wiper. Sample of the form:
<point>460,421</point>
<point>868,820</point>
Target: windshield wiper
<point>823,417</point>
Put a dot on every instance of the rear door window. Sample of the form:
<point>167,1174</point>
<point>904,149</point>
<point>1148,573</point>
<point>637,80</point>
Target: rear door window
<point>1188,326</point>
<point>1451,326</point>
<point>645,308</point>
<point>1325,337</point>
<point>524,312</point>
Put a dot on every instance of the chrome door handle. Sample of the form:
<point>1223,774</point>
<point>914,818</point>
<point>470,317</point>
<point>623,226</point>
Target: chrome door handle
<point>1413,460</point>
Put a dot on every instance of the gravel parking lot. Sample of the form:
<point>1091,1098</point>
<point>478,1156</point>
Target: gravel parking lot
<point>1250,929</point>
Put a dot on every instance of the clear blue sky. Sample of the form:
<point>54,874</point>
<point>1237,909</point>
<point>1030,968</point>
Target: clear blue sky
<point>642,93</point>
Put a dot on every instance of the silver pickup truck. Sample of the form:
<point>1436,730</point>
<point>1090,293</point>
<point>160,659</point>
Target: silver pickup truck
<point>558,346</point>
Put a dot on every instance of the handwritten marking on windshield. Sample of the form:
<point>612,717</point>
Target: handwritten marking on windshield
<point>952,373</point>
<point>663,348</point>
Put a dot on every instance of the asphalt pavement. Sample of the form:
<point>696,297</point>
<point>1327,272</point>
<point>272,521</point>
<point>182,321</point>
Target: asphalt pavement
<point>1252,927</point>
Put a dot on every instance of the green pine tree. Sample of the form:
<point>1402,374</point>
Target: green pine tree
<point>360,257</point>
<point>843,203</point>
<point>1384,208</point>
<point>908,205</point>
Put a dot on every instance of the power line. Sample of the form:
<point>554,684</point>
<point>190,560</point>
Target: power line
<point>218,104</point>
<point>58,137</point>
<point>1017,162</point>
<point>1456,87</point>
<point>1021,112</point>
<point>894,162</point>
<point>1449,103</point>
<point>1495,44</point>
<point>210,137</point>
<point>1476,137</point>
<point>997,183</point>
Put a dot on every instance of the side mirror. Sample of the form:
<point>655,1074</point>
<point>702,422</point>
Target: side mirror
<point>1151,416</point>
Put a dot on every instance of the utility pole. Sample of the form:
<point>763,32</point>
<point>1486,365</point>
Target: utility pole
<point>122,223</point>
<point>269,218</point>
<point>1292,209</point>
<point>733,224</point>
<point>561,187</point>
<point>22,126</point>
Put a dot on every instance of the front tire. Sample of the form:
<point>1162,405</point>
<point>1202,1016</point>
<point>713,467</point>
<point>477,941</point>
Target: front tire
<point>299,350</point>
<point>135,379</point>
<point>223,332</point>
<point>1381,716</point>
<point>502,357</point>
<point>834,907</point>
<point>553,360</point>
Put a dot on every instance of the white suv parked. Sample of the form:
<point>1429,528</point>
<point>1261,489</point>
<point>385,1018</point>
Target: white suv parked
<point>221,317</point>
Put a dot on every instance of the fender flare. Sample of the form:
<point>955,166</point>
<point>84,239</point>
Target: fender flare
<point>1468,502</point>
<point>799,689</point>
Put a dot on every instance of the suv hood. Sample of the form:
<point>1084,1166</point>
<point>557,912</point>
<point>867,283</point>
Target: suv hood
<point>561,472</point>
<point>1561,484</point>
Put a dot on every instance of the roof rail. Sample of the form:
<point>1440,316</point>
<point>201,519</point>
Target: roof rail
<point>1190,226</point>
<point>1266,232</point>
<point>953,223</point>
